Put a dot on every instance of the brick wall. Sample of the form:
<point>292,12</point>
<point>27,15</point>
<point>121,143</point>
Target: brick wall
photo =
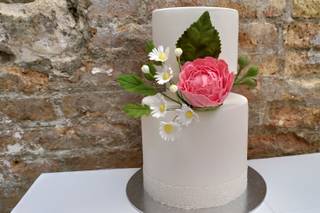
<point>60,106</point>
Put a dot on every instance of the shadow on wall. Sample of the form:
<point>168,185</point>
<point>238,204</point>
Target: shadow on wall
<point>6,56</point>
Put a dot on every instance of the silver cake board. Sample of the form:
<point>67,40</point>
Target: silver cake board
<point>248,201</point>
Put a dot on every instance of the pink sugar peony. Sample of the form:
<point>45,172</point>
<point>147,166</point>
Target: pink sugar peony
<point>205,82</point>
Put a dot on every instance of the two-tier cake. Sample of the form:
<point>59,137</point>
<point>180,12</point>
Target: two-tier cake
<point>194,129</point>
<point>207,165</point>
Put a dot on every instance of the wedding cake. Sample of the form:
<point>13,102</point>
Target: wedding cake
<point>194,129</point>
<point>207,165</point>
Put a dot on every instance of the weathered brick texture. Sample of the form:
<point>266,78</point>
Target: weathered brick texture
<point>60,107</point>
<point>306,8</point>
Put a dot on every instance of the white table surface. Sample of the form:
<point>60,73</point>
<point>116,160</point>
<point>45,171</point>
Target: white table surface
<point>293,187</point>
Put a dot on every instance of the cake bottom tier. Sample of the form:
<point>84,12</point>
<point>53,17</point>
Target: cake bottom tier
<point>206,165</point>
<point>189,197</point>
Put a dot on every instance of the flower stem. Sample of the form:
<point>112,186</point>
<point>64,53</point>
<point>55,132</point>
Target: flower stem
<point>172,99</point>
<point>204,109</point>
<point>179,63</point>
<point>237,75</point>
<point>175,118</point>
<point>185,102</point>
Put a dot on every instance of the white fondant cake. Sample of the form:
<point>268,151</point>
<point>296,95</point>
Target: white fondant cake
<point>206,165</point>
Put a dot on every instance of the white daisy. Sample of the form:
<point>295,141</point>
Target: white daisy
<point>169,130</point>
<point>157,104</point>
<point>159,54</point>
<point>186,115</point>
<point>164,75</point>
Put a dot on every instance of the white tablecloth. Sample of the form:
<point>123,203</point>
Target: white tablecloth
<point>293,187</point>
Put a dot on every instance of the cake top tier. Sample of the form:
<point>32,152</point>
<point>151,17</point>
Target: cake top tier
<point>196,8</point>
<point>168,24</point>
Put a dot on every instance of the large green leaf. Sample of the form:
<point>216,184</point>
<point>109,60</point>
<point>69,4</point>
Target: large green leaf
<point>199,40</point>
<point>133,83</point>
<point>136,110</point>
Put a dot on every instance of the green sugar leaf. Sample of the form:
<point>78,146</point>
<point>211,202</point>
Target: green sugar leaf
<point>136,110</point>
<point>133,83</point>
<point>246,76</point>
<point>149,46</point>
<point>249,81</point>
<point>149,76</point>
<point>152,69</point>
<point>252,72</point>
<point>201,39</point>
<point>243,61</point>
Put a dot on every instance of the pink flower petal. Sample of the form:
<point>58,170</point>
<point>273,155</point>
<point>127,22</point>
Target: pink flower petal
<point>205,81</point>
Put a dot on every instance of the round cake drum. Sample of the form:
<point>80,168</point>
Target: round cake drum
<point>248,201</point>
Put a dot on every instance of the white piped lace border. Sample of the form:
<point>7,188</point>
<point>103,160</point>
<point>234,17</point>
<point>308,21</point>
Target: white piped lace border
<point>189,197</point>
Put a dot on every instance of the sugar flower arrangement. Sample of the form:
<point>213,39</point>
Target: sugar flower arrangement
<point>203,84</point>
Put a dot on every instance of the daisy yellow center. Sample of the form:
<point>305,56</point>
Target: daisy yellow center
<point>189,114</point>
<point>162,56</point>
<point>162,108</point>
<point>166,76</point>
<point>168,128</point>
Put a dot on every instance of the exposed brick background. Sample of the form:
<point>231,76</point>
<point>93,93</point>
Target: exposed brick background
<point>60,108</point>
